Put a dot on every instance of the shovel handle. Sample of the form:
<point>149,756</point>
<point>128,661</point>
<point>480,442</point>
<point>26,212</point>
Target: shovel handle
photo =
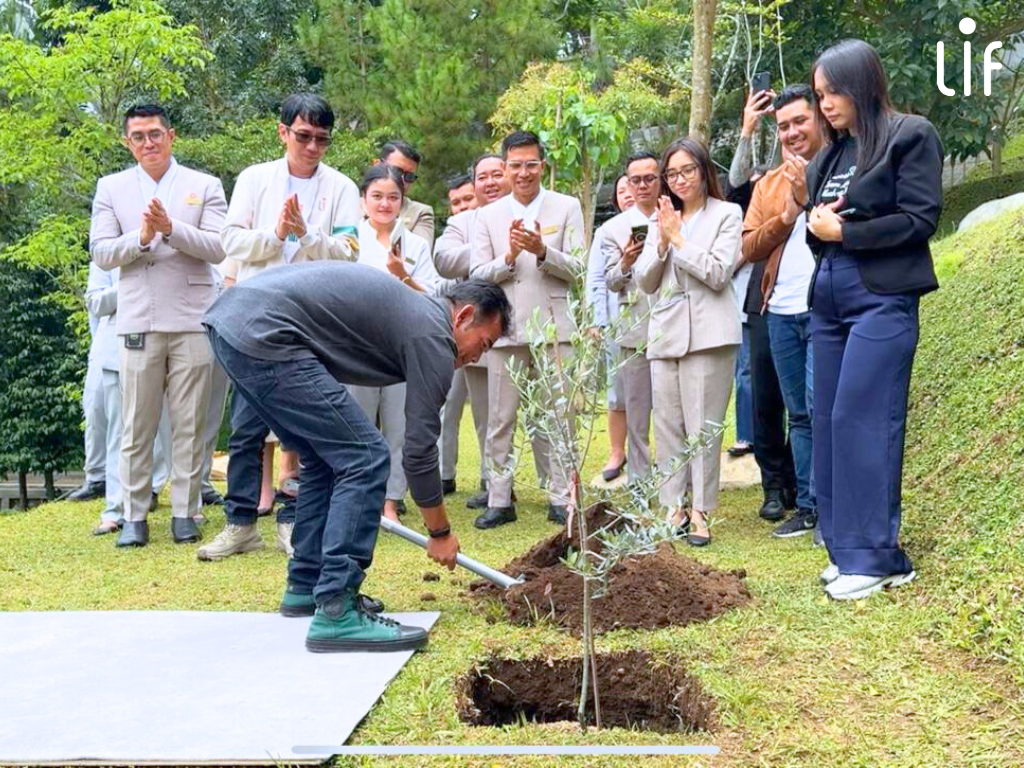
<point>495,577</point>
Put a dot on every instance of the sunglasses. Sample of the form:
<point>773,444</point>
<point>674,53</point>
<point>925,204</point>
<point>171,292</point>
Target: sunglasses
<point>304,137</point>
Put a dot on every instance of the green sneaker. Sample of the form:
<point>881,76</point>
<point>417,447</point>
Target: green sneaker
<point>343,625</point>
<point>295,604</point>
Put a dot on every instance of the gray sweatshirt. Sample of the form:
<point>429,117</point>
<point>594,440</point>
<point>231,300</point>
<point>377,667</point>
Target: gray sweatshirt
<point>367,328</point>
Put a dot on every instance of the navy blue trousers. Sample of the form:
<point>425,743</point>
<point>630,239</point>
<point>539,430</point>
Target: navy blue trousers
<point>864,346</point>
<point>344,459</point>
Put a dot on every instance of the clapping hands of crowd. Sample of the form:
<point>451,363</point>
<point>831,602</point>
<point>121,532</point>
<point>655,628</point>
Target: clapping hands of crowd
<point>670,225</point>
<point>290,221</point>
<point>758,105</point>
<point>154,219</point>
<point>522,239</point>
<point>794,168</point>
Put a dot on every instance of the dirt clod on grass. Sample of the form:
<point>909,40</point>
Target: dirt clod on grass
<point>428,597</point>
<point>647,592</point>
<point>428,576</point>
<point>635,693</point>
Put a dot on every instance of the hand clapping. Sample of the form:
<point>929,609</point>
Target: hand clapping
<point>523,239</point>
<point>290,221</point>
<point>670,224</point>
<point>154,219</point>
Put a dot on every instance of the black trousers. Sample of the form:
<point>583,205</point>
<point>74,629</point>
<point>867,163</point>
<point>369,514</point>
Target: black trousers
<point>771,446</point>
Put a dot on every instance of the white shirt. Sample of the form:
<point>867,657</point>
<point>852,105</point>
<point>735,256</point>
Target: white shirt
<point>528,213</point>
<point>789,296</point>
<point>306,190</point>
<point>161,190</point>
<point>415,254</point>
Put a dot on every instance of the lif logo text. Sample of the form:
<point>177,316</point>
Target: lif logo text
<point>967,27</point>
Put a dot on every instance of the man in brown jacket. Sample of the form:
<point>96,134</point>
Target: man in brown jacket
<point>775,228</point>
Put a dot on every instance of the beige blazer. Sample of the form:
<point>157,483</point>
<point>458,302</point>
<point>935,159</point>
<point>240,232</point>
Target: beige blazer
<point>418,218</point>
<point>695,308</point>
<point>453,249</point>
<point>250,236</point>
<point>634,305</point>
<point>167,286</point>
<point>532,284</point>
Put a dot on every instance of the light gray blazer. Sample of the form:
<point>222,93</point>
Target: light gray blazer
<point>167,286</point>
<point>695,307</point>
<point>531,285</point>
<point>634,305</point>
<point>454,247</point>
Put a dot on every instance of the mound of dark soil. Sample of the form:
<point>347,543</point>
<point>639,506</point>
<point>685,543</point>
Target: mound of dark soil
<point>635,693</point>
<point>646,592</point>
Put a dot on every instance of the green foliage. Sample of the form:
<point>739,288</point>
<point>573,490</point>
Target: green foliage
<point>965,454</point>
<point>40,375</point>
<point>431,70</point>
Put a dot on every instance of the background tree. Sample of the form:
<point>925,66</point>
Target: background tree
<point>701,86</point>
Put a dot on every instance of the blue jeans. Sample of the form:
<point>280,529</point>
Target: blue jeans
<point>344,463</point>
<point>245,468</point>
<point>864,346</point>
<point>744,392</point>
<point>790,337</point>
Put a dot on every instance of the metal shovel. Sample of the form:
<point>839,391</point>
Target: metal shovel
<point>495,577</point>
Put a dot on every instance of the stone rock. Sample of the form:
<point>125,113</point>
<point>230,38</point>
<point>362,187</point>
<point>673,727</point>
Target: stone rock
<point>990,210</point>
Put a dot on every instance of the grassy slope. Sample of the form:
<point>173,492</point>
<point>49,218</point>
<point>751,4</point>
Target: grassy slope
<point>911,678</point>
<point>980,186</point>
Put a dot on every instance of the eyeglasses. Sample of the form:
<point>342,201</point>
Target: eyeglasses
<point>409,177</point>
<point>688,172</point>
<point>304,137</point>
<point>645,181</point>
<point>138,138</point>
<point>529,165</point>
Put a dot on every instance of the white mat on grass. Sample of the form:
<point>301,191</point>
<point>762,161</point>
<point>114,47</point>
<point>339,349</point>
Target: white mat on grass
<point>178,687</point>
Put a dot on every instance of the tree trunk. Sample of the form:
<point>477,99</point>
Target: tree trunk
<point>23,489</point>
<point>700,83</point>
<point>51,489</point>
<point>997,158</point>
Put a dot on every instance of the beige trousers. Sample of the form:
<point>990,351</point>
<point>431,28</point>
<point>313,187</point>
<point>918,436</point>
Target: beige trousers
<point>689,392</point>
<point>181,365</point>
<point>385,409</point>
<point>501,427</point>
<point>469,382</point>
<point>634,377</point>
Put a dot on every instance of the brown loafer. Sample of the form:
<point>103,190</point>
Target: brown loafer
<point>107,526</point>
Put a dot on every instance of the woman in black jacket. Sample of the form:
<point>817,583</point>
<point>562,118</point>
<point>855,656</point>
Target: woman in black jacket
<point>873,196</point>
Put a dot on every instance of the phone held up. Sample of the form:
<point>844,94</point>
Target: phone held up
<point>638,233</point>
<point>761,81</point>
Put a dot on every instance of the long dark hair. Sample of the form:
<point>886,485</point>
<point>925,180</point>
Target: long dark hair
<point>854,69</point>
<point>615,192</point>
<point>699,152</point>
<point>379,172</point>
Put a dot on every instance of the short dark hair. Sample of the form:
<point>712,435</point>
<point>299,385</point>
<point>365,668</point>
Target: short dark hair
<point>793,92</point>
<point>458,181</point>
<point>397,145</point>
<point>312,108</point>
<point>637,157</point>
<point>521,139</point>
<point>486,156</point>
<point>696,149</point>
<point>489,299</point>
<point>146,110</point>
<point>379,172</point>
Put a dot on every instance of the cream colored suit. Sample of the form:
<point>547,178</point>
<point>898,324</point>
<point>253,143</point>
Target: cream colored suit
<point>634,311</point>
<point>693,337</point>
<point>163,291</point>
<point>532,284</point>
<point>418,218</point>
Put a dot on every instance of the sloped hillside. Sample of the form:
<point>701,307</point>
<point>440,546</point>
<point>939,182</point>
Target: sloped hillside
<point>964,479</point>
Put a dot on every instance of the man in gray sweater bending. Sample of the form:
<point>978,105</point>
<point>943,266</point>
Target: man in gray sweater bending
<point>290,340</point>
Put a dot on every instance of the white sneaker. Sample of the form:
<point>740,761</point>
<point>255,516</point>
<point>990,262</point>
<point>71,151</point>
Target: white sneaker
<point>830,574</point>
<point>233,540</point>
<point>853,586</point>
<point>284,538</point>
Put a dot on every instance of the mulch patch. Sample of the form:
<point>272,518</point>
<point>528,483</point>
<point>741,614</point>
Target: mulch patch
<point>635,691</point>
<point>647,592</point>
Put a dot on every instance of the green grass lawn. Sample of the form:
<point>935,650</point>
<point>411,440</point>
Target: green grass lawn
<point>799,680</point>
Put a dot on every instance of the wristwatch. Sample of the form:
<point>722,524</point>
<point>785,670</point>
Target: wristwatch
<point>440,533</point>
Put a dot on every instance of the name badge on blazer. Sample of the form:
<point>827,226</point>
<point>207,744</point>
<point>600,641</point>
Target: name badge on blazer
<point>549,230</point>
<point>192,198</point>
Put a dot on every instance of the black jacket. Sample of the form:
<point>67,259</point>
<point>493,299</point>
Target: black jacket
<point>898,200</point>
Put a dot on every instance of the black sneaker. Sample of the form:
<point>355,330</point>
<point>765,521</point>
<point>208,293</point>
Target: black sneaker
<point>803,521</point>
<point>774,507</point>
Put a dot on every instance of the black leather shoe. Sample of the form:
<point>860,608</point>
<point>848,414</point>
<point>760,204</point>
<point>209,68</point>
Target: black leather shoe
<point>774,508</point>
<point>184,530</point>
<point>557,513</point>
<point>611,474</point>
<point>133,534</point>
<point>478,500</point>
<point>154,502</point>
<point>212,499</point>
<point>87,492</point>
<point>447,486</point>
<point>495,516</point>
